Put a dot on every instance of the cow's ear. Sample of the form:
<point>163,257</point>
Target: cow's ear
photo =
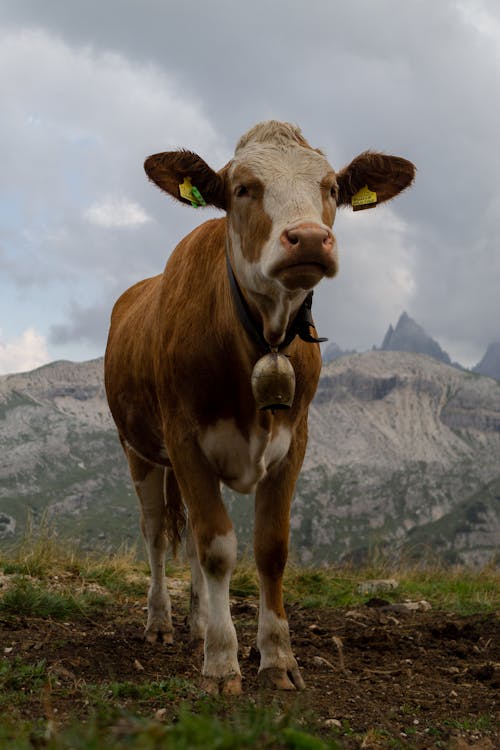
<point>382,175</point>
<point>186,177</point>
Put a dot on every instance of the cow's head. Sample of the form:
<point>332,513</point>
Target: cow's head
<point>280,195</point>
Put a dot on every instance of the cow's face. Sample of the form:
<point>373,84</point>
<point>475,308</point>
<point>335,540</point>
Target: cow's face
<point>281,202</point>
<point>280,196</point>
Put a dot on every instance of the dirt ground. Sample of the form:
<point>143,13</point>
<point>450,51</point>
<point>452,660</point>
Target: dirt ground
<point>422,679</point>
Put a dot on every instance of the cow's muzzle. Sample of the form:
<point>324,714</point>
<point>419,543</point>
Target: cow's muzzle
<point>309,254</point>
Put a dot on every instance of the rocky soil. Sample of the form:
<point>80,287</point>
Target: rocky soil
<point>376,678</point>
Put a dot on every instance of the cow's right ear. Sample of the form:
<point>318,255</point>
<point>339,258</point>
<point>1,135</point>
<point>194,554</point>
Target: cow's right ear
<point>378,175</point>
<point>177,172</point>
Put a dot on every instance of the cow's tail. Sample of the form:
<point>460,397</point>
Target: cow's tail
<point>175,511</point>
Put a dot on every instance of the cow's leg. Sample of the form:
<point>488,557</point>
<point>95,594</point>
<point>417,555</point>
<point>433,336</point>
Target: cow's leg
<point>151,486</point>
<point>198,610</point>
<point>216,545</point>
<point>278,666</point>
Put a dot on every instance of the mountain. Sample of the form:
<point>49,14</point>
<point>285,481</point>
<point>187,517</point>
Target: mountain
<point>333,351</point>
<point>403,458</point>
<point>60,459</point>
<point>490,363</point>
<point>409,336</point>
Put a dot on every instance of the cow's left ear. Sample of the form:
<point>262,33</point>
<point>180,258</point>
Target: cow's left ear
<point>186,177</point>
<point>382,174</point>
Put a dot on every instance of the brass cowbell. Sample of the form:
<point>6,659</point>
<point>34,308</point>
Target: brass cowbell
<point>273,382</point>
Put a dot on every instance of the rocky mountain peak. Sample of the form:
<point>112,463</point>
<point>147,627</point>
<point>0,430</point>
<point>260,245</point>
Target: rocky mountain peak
<point>490,363</point>
<point>409,336</point>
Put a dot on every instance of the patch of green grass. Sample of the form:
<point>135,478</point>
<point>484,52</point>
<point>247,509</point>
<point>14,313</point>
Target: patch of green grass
<point>172,689</point>
<point>481,723</point>
<point>118,575</point>
<point>463,591</point>
<point>17,735</point>
<point>247,727</point>
<point>24,597</point>
<point>244,581</point>
<point>18,680</point>
<point>38,553</point>
<point>250,727</point>
<point>315,587</point>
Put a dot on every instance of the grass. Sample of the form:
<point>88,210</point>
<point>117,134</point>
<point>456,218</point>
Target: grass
<point>463,591</point>
<point>45,578</point>
<point>459,590</point>
<point>52,562</point>
<point>18,679</point>
<point>23,597</point>
<point>250,726</point>
<point>173,688</point>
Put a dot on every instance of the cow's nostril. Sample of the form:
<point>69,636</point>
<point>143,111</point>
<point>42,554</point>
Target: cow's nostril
<point>293,238</point>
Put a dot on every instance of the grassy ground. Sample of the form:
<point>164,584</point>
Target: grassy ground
<point>42,580</point>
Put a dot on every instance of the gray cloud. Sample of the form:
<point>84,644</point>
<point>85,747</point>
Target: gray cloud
<point>93,88</point>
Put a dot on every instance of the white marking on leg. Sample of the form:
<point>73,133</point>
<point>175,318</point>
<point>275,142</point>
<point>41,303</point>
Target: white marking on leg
<point>221,645</point>
<point>273,640</point>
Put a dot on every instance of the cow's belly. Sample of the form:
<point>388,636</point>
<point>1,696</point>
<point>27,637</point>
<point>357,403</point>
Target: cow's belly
<point>242,463</point>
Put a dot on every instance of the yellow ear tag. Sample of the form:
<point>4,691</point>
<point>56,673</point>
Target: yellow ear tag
<point>190,193</point>
<point>364,198</point>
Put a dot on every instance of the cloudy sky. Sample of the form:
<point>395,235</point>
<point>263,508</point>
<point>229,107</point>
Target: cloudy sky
<point>88,89</point>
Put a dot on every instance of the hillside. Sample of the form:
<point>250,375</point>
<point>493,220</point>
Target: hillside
<point>404,456</point>
<point>60,457</point>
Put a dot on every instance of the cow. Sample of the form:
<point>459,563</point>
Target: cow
<point>181,352</point>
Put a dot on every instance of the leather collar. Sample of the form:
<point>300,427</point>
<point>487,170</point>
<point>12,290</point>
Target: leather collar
<point>302,322</point>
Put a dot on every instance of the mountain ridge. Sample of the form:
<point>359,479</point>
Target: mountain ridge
<point>410,336</point>
<point>399,445</point>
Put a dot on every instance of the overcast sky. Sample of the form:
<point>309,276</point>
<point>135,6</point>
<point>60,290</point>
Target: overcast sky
<point>88,89</point>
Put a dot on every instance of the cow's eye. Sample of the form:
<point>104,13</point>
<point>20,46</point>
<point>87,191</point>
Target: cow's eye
<point>241,191</point>
<point>333,191</point>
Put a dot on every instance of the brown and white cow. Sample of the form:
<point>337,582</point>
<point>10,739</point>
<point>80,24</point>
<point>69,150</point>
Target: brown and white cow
<point>178,369</point>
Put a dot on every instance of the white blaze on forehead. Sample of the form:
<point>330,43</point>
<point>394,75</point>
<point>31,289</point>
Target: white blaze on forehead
<point>295,177</point>
<point>295,196</point>
<point>289,184</point>
<point>292,178</point>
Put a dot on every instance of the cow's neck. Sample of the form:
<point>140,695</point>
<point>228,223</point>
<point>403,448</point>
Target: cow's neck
<point>275,314</point>
<point>269,322</point>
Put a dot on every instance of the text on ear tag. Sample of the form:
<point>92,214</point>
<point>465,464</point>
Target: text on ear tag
<point>364,198</point>
<point>191,193</point>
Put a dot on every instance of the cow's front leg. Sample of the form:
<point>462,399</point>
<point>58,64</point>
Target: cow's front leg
<point>198,605</point>
<point>215,542</point>
<point>278,666</point>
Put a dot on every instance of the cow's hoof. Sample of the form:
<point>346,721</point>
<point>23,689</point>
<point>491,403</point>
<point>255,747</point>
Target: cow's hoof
<point>222,686</point>
<point>155,635</point>
<point>280,679</point>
